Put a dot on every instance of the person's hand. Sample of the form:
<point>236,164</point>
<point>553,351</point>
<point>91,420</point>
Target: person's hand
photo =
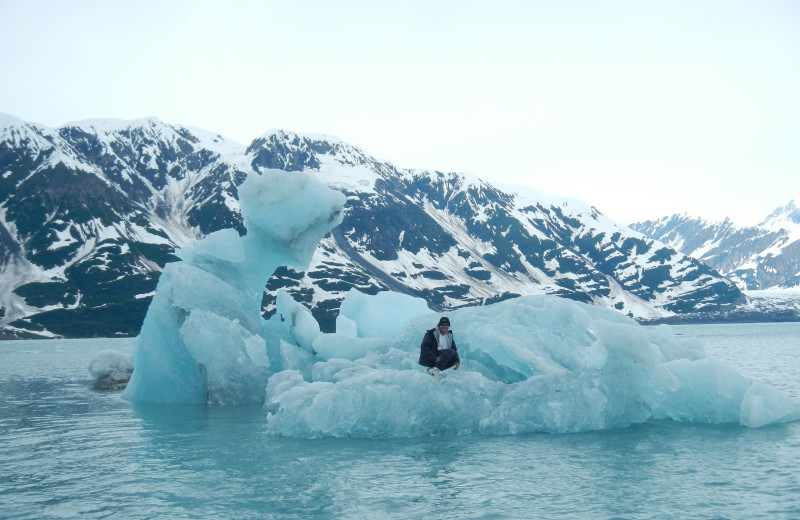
<point>438,359</point>
<point>455,367</point>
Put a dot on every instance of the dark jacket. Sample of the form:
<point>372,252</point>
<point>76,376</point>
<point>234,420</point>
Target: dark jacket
<point>429,349</point>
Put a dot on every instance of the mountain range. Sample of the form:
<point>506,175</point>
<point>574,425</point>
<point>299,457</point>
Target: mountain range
<point>90,213</point>
<point>766,256</point>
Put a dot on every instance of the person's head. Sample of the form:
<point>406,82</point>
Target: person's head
<point>444,324</point>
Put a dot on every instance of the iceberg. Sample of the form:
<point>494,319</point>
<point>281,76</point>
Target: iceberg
<point>202,340</point>
<point>530,364</point>
<point>111,370</point>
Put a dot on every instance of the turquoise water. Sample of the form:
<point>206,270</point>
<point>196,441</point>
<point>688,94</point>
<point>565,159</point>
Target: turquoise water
<point>69,451</point>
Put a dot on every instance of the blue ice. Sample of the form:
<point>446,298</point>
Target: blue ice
<point>531,364</point>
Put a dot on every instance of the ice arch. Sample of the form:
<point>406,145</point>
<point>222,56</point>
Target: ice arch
<point>202,339</point>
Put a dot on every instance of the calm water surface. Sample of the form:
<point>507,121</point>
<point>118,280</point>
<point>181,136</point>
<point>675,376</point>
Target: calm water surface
<point>68,451</point>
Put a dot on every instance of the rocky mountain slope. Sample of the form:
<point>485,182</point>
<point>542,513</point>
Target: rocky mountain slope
<point>766,256</point>
<point>90,212</point>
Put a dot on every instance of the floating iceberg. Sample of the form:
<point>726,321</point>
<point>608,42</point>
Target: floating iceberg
<point>111,370</point>
<point>531,364</point>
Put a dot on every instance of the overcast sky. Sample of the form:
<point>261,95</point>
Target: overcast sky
<point>640,108</point>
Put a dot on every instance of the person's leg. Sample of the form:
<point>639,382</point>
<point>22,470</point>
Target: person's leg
<point>447,359</point>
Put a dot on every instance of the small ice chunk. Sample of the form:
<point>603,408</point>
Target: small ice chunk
<point>298,320</point>
<point>763,404</point>
<point>345,326</point>
<point>111,370</point>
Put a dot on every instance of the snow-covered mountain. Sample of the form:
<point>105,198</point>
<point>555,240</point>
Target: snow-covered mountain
<point>90,212</point>
<point>766,256</point>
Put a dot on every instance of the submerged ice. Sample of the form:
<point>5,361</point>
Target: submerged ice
<point>531,364</point>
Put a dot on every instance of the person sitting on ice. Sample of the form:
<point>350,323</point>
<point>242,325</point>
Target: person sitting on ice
<point>438,349</point>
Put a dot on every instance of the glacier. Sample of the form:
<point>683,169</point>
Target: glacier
<point>529,364</point>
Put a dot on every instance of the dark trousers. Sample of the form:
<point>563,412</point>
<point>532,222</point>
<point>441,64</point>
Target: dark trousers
<point>447,359</point>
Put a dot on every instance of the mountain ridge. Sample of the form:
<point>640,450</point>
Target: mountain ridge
<point>90,212</point>
<point>765,256</point>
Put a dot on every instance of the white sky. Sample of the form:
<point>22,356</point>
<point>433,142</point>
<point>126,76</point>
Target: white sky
<point>640,108</point>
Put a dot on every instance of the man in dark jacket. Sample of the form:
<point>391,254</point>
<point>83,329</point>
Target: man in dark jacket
<point>438,349</point>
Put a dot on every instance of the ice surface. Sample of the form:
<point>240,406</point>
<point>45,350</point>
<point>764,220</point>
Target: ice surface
<point>378,316</point>
<point>330,346</point>
<point>111,369</point>
<point>367,324</point>
<point>531,364</point>
<point>346,343</point>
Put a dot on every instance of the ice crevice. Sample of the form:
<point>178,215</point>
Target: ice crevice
<point>530,364</point>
